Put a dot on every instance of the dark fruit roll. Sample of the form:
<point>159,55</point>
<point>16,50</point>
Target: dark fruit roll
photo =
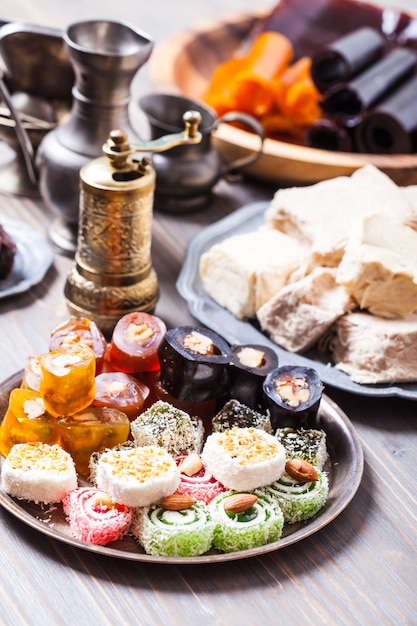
<point>193,364</point>
<point>346,57</point>
<point>248,369</point>
<point>348,102</point>
<point>293,394</point>
<point>325,134</point>
<point>391,127</point>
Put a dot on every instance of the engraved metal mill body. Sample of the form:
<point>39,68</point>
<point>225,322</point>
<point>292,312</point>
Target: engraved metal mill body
<point>112,273</point>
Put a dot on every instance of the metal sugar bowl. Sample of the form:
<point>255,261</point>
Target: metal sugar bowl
<point>112,273</point>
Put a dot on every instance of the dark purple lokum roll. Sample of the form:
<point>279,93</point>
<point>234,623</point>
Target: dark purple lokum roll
<point>391,128</point>
<point>346,57</point>
<point>249,366</point>
<point>293,394</point>
<point>194,363</point>
<point>349,101</point>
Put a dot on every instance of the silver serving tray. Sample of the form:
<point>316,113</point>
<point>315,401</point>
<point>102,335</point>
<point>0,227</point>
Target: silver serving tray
<point>345,468</point>
<point>209,313</point>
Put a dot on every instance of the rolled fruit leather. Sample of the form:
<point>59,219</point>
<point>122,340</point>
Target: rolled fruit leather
<point>391,127</point>
<point>349,101</point>
<point>328,134</point>
<point>312,25</point>
<point>134,343</point>
<point>121,391</point>
<point>347,56</point>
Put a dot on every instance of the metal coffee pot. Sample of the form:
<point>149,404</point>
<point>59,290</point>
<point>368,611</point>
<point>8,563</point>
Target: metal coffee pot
<point>186,175</point>
<point>105,57</point>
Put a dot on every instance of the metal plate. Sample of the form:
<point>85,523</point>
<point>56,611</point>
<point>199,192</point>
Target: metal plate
<point>345,468</point>
<point>33,258</point>
<point>208,312</point>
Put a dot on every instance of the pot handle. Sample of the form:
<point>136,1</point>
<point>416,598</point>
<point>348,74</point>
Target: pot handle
<point>231,170</point>
<point>22,135</point>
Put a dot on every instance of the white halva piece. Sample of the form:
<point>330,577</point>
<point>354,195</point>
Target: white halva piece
<point>245,270</point>
<point>374,350</point>
<point>323,216</point>
<point>379,267</point>
<point>301,312</point>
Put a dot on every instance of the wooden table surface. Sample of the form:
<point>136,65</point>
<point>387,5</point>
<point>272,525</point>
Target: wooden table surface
<point>360,569</point>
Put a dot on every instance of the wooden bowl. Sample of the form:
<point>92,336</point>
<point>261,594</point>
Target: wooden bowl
<point>185,63</point>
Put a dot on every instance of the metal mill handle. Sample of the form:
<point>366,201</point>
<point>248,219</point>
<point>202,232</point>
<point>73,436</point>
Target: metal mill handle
<point>118,149</point>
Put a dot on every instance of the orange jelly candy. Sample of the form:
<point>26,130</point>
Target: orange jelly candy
<point>92,430</point>
<point>26,420</point>
<point>80,330</point>
<point>67,382</point>
<point>135,341</point>
<point>121,391</point>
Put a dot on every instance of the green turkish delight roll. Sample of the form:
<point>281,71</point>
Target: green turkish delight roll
<point>308,444</point>
<point>235,413</point>
<point>260,523</point>
<point>161,532</point>
<point>166,426</point>
<point>299,501</point>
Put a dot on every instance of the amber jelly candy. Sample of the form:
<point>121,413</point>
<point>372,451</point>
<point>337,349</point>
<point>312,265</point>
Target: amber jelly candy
<point>26,420</point>
<point>92,430</point>
<point>68,379</point>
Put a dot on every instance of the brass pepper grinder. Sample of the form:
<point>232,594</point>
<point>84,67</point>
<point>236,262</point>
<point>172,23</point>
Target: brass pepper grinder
<point>112,274</point>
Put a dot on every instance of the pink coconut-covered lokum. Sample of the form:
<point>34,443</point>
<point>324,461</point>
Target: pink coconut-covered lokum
<point>94,518</point>
<point>195,480</point>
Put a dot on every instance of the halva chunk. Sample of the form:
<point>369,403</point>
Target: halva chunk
<point>301,312</point>
<point>373,349</point>
<point>323,216</point>
<point>245,270</point>
<point>379,267</point>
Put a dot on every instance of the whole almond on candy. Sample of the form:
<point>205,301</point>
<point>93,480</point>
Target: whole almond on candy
<point>177,502</point>
<point>239,502</point>
<point>191,464</point>
<point>301,470</point>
